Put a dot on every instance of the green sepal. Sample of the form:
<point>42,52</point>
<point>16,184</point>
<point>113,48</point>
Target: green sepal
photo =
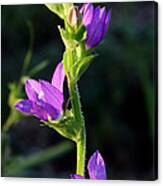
<point>66,126</point>
<point>67,38</point>
<point>71,39</point>
<point>60,9</point>
<point>69,29</point>
<point>73,67</point>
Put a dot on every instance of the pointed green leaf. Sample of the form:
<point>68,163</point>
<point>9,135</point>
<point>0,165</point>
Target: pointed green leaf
<point>67,38</point>
<point>82,65</point>
<point>65,63</point>
<point>57,9</point>
<point>60,9</point>
<point>64,35</point>
<point>66,7</point>
<point>65,126</point>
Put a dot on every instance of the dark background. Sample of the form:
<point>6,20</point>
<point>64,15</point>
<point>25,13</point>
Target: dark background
<point>117,91</point>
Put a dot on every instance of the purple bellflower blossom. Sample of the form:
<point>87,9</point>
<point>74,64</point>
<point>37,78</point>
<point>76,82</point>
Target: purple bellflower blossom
<point>96,168</point>
<point>44,99</point>
<point>96,20</point>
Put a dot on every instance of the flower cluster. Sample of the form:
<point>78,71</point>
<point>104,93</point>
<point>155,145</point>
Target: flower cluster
<point>45,99</point>
<point>84,29</point>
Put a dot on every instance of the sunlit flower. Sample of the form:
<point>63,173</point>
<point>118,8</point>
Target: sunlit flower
<point>96,168</point>
<point>96,20</point>
<point>45,99</point>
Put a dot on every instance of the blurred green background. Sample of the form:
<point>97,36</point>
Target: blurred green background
<point>118,92</point>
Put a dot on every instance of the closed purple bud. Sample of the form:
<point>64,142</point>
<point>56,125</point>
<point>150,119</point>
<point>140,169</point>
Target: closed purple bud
<point>96,21</point>
<point>96,167</point>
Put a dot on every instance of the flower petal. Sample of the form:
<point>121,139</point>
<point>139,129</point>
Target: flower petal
<point>91,28</point>
<point>87,11</point>
<point>33,89</point>
<point>52,95</point>
<point>42,110</point>
<point>96,166</point>
<point>96,22</point>
<point>45,111</point>
<point>76,176</point>
<point>58,77</point>
<point>24,106</point>
<point>96,28</point>
<point>103,14</point>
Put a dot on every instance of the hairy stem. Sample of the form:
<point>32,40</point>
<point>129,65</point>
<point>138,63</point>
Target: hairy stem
<point>81,142</point>
<point>81,151</point>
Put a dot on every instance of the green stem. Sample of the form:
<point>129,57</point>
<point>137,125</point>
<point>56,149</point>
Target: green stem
<point>81,151</point>
<point>81,142</point>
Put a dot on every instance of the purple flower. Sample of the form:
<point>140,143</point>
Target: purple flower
<point>96,20</point>
<point>96,168</point>
<point>44,99</point>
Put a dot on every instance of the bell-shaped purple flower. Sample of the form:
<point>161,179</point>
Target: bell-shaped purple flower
<point>45,99</point>
<point>96,20</point>
<point>96,168</point>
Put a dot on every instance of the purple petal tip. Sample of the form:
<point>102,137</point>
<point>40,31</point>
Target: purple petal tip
<point>58,77</point>
<point>24,106</point>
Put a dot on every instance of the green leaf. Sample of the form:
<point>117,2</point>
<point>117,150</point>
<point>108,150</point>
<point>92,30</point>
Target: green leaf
<point>60,9</point>
<point>69,58</point>
<point>65,64</point>
<point>64,35</point>
<point>57,9</point>
<point>66,7</point>
<point>69,29</point>
<point>82,65</point>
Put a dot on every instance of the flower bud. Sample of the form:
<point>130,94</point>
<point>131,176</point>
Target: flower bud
<point>96,20</point>
<point>74,16</point>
